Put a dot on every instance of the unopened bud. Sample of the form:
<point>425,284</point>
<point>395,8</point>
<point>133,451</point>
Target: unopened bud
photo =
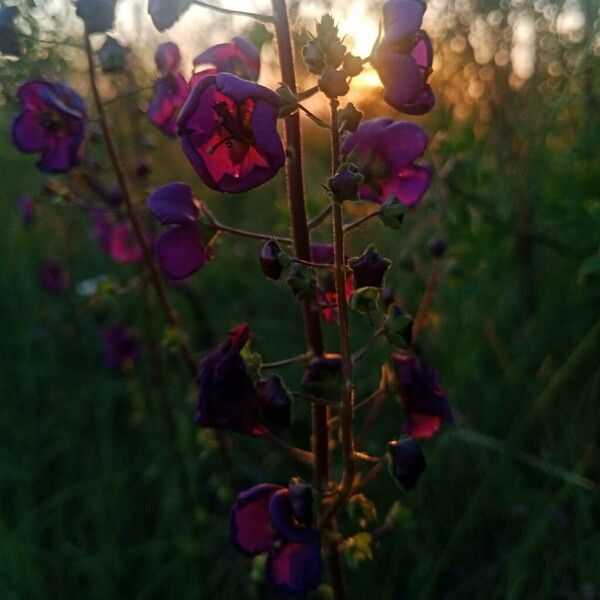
<point>333,83</point>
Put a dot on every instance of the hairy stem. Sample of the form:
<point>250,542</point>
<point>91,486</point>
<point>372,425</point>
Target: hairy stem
<point>251,234</point>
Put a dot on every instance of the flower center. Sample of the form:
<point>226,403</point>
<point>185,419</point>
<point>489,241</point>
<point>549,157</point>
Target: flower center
<point>52,122</point>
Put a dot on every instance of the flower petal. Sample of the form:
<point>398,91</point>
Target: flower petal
<point>282,517</point>
<point>28,133</point>
<point>401,18</point>
<point>296,567</point>
<point>173,203</point>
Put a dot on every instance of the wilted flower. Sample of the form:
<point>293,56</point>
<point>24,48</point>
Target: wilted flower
<point>277,520</point>
<point>275,401</point>
<point>368,269</point>
<point>408,461</point>
<point>121,347</point>
<point>9,35</point>
<point>425,402</point>
<point>54,276</point>
<point>228,129</point>
<point>165,13</point>
<point>26,207</point>
<point>238,57</point>
<point>227,398</point>
<point>117,239</point>
<point>52,122</point>
<point>404,57</point>
<point>180,251</point>
<point>170,89</point>
<point>384,152</point>
<point>98,15</point>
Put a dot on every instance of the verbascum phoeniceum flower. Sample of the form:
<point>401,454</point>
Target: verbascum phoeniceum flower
<point>51,123</point>
<point>228,130</point>
<point>237,56</point>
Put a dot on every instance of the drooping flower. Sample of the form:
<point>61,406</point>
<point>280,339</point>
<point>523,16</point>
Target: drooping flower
<point>181,250</point>
<point>425,401</point>
<point>98,15</point>
<point>277,520</point>
<point>408,461</point>
<point>227,398</point>
<point>52,122</point>
<point>165,13</point>
<point>170,89</point>
<point>238,57</point>
<point>369,269</point>
<point>228,129</point>
<point>9,35</point>
<point>404,57</point>
<point>26,207</point>
<point>121,347</point>
<point>275,401</point>
<point>116,238</point>
<point>54,276</point>
<point>384,152</point>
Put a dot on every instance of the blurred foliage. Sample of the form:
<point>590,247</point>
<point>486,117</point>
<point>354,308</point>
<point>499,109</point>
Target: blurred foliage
<point>91,501</point>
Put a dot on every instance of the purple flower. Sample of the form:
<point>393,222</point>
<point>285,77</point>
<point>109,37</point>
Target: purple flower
<point>277,520</point>
<point>238,57</point>
<point>170,89</point>
<point>227,398</point>
<point>369,269</point>
<point>165,13</point>
<point>9,35</point>
<point>269,258</point>
<point>52,122</point>
<point>98,15</point>
<point>322,376</point>
<point>275,401</point>
<point>384,152</point>
<point>117,239</point>
<point>408,461</point>
<point>404,57</point>
<point>54,276</point>
<point>26,207</point>
<point>181,250</point>
<point>121,347</point>
<point>425,401</point>
<point>228,129</point>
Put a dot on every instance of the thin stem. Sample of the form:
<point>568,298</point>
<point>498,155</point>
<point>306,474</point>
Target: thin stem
<point>251,234</point>
<point>374,396</point>
<point>314,265</point>
<point>425,306</point>
<point>360,354</point>
<point>307,93</point>
<point>239,13</point>
<point>287,361</point>
<point>318,219</point>
<point>348,228</point>
<point>297,453</point>
<point>126,95</point>
<point>314,117</point>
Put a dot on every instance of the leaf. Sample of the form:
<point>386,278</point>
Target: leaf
<point>590,266</point>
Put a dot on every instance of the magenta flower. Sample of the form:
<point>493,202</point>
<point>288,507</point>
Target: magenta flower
<point>165,13</point>
<point>404,57</point>
<point>121,347</point>
<point>228,129</point>
<point>425,401</point>
<point>227,398</point>
<point>238,57</point>
<point>384,151</point>
<point>117,239</point>
<point>170,89</point>
<point>52,122</point>
<point>26,207</point>
<point>54,276</point>
<point>9,35</point>
<point>181,250</point>
<point>277,520</point>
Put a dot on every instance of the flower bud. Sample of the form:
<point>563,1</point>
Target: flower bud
<point>275,401</point>
<point>349,117</point>
<point>364,300</point>
<point>397,327</point>
<point>353,65</point>
<point>302,281</point>
<point>334,54</point>
<point>392,213</point>
<point>112,56</point>
<point>270,264</point>
<point>436,247</point>
<point>313,57</point>
<point>345,183</point>
<point>408,462</point>
<point>322,376</point>
<point>289,101</point>
<point>369,269</point>
<point>333,83</point>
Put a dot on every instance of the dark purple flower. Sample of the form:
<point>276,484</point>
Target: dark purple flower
<point>404,57</point>
<point>228,129</point>
<point>273,519</point>
<point>26,206</point>
<point>238,57</point>
<point>180,251</point>
<point>98,15</point>
<point>54,276</point>
<point>322,253</point>
<point>170,89</point>
<point>227,398</point>
<point>52,122</point>
<point>345,183</point>
<point>384,152</point>
<point>275,400</point>
<point>9,35</point>
<point>269,260</point>
<point>165,13</point>
<point>121,347</point>
<point>437,247</point>
<point>112,55</point>
<point>408,461</point>
<point>425,401</point>
<point>369,269</point>
<point>116,238</point>
<point>322,376</point>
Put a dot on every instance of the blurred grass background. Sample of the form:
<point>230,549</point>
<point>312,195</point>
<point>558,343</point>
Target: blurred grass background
<point>90,494</point>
